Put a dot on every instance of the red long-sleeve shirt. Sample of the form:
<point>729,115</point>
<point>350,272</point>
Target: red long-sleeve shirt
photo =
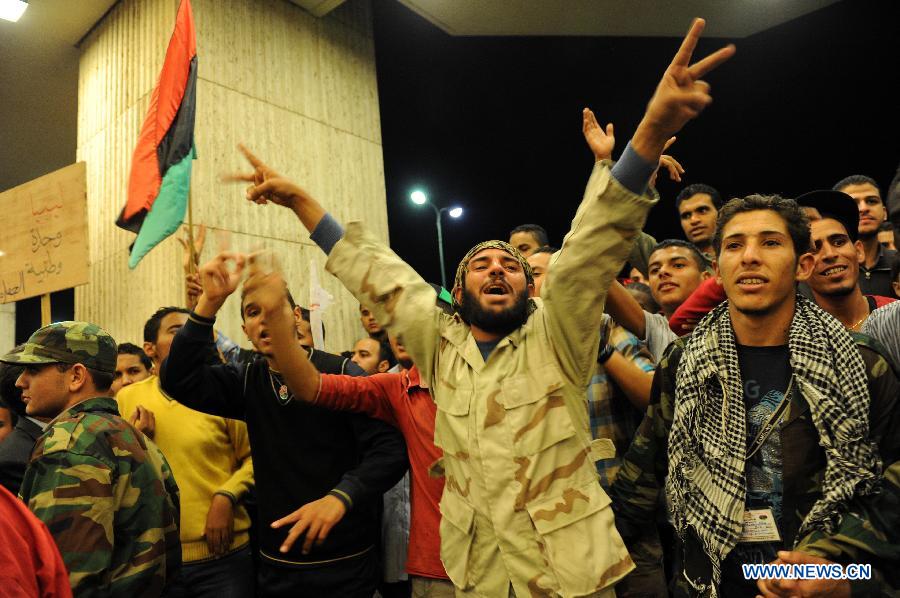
<point>30,563</point>
<point>401,400</point>
<point>708,295</point>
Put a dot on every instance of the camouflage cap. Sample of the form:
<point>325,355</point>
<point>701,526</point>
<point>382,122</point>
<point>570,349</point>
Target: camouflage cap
<point>68,342</point>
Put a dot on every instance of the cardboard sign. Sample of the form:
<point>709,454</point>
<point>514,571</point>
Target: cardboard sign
<point>43,238</point>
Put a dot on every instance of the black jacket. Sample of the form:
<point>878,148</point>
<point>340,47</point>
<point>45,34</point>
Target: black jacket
<point>300,451</point>
<point>15,452</point>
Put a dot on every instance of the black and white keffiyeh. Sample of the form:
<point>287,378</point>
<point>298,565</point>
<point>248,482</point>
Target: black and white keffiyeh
<point>706,487</point>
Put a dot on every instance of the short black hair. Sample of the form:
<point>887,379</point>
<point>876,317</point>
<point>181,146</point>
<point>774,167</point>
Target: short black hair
<point>304,314</point>
<point>855,179</point>
<point>692,190</point>
<point>692,249</point>
<point>151,328</point>
<point>102,380</point>
<point>535,230</point>
<point>11,394</point>
<point>130,349</point>
<point>385,353</point>
<point>545,249</point>
<point>287,291</point>
<point>13,416</point>
<point>793,215</point>
<point>648,294</point>
<point>886,226</point>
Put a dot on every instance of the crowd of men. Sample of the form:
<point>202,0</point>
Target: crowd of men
<point>616,416</point>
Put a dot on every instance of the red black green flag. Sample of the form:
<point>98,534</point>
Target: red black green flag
<point>160,176</point>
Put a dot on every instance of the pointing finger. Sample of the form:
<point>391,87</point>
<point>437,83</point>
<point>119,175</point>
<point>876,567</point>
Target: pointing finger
<point>712,61</point>
<point>236,177</point>
<point>683,56</point>
<point>311,534</point>
<point>256,162</point>
<point>295,533</point>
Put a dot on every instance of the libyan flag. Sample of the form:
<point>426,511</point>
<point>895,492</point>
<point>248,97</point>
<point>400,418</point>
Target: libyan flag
<point>160,178</point>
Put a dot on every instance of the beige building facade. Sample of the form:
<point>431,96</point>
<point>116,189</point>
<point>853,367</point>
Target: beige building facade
<point>299,90</point>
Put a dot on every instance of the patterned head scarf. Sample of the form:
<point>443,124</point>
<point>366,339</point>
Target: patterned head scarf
<point>495,244</point>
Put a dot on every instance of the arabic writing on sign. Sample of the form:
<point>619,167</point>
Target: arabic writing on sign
<point>44,235</point>
<point>49,266</point>
<point>8,291</point>
<point>39,240</point>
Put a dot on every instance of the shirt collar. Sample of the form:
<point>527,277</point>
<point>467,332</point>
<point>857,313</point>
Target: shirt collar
<point>414,378</point>
<point>97,404</point>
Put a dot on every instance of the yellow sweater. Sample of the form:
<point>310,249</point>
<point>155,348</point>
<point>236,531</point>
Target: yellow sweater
<point>209,455</point>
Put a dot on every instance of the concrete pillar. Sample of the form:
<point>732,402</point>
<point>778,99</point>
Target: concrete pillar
<point>299,90</point>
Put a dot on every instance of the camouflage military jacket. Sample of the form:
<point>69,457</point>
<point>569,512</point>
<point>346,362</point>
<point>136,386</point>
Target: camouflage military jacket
<point>868,533</point>
<point>522,505</point>
<point>108,497</point>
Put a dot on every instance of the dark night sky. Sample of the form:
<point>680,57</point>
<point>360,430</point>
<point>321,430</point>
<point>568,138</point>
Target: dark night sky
<point>494,124</point>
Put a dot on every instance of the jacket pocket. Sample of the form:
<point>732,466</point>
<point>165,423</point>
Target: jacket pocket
<point>536,410</point>
<point>579,534</point>
<point>457,531</point>
<point>451,429</point>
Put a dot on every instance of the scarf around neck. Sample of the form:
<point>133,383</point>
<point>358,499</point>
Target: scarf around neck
<point>706,486</point>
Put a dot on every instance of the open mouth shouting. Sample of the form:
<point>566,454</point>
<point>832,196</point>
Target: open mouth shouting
<point>496,287</point>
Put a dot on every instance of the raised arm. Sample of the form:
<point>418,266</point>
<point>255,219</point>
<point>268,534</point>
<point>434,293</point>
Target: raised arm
<point>186,374</point>
<point>625,310</point>
<point>613,210</point>
<point>398,297</point>
<point>703,300</point>
<point>265,289</point>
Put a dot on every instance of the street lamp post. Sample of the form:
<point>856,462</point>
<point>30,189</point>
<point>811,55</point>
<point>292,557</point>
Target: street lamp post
<point>420,198</point>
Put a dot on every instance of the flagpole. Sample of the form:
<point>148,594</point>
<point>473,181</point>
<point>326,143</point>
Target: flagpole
<point>192,259</point>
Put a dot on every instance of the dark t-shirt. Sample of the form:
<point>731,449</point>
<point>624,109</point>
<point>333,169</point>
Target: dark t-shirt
<point>765,373</point>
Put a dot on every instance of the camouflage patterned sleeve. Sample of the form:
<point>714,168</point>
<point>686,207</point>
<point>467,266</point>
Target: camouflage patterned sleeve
<point>73,495</point>
<point>870,531</point>
<point>635,492</point>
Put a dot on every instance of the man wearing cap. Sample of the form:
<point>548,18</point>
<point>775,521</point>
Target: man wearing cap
<point>834,280</point>
<point>105,491</point>
<point>522,511</point>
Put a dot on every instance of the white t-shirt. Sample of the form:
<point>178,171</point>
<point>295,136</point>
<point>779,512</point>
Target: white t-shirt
<point>657,334</point>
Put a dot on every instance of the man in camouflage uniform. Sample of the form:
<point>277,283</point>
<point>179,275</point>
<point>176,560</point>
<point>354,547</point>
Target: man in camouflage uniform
<point>522,510</point>
<point>771,410</point>
<point>103,489</point>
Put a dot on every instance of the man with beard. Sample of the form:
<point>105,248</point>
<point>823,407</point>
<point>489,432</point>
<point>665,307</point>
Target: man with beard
<point>372,355</point>
<point>835,280</point>
<point>522,511</point>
